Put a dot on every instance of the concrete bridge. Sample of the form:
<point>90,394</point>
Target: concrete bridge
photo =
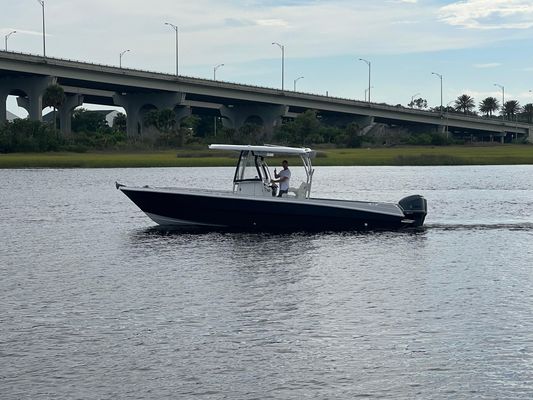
<point>27,76</point>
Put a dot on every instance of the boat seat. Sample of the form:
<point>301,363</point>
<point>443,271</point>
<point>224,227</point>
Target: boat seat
<point>300,191</point>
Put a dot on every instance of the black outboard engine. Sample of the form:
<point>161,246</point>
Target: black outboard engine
<point>414,207</point>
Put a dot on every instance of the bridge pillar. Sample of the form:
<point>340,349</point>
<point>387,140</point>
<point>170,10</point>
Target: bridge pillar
<point>3,108</point>
<point>439,129</point>
<point>267,115</point>
<point>365,122</point>
<point>65,112</point>
<point>134,103</point>
<point>182,112</point>
<point>33,87</point>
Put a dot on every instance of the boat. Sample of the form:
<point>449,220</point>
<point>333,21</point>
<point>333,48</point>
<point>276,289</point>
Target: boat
<point>253,203</point>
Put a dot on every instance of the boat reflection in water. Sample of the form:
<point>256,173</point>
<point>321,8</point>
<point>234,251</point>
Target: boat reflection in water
<point>253,203</point>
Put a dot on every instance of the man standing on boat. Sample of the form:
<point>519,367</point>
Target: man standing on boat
<point>283,178</point>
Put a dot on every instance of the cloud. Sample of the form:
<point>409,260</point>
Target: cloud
<point>272,22</point>
<point>241,31</point>
<point>487,65</point>
<point>236,23</point>
<point>489,14</point>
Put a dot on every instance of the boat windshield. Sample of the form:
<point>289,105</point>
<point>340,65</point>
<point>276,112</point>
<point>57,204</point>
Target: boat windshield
<point>251,167</point>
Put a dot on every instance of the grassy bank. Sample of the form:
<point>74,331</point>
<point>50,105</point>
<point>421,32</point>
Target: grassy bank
<point>446,155</point>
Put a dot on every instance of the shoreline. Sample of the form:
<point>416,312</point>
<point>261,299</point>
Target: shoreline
<point>508,154</point>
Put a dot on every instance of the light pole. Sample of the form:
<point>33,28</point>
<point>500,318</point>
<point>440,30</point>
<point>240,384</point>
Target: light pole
<point>369,74</point>
<point>282,47</point>
<point>215,71</point>
<point>447,112</point>
<point>413,99</point>
<point>296,80</point>
<point>177,45</point>
<point>215,119</point>
<point>41,2</point>
<point>366,91</point>
<point>503,97</point>
<point>440,76</point>
<point>12,32</point>
<point>120,58</point>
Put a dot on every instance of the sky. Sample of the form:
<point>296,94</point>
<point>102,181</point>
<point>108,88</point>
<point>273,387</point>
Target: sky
<point>473,44</point>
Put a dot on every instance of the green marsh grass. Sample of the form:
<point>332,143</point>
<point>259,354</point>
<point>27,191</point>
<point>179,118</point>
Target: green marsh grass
<point>419,155</point>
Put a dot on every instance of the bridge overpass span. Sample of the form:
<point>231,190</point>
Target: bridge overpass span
<point>27,76</point>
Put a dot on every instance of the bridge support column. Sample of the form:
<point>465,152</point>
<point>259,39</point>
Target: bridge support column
<point>267,115</point>
<point>439,129</point>
<point>33,87</point>
<point>134,103</point>
<point>366,123</point>
<point>3,108</point>
<point>182,112</point>
<point>65,112</point>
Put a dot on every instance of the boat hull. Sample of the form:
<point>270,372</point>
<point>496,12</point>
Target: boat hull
<point>174,208</point>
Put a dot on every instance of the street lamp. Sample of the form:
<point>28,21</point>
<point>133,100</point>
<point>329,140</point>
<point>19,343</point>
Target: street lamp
<point>369,73</point>
<point>120,58</point>
<point>215,71</point>
<point>296,80</point>
<point>215,118</point>
<point>440,76</point>
<point>447,115</point>
<point>41,2</point>
<point>366,91</point>
<point>177,44</point>
<point>413,99</point>
<point>282,64</point>
<point>12,32</point>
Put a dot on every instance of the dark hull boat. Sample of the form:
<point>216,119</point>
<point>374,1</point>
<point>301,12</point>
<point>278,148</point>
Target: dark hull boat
<point>251,205</point>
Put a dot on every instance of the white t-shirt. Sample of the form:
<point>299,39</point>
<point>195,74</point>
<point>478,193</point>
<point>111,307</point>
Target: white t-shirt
<point>284,185</point>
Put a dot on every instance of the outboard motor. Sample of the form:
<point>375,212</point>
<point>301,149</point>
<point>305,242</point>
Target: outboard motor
<point>414,207</point>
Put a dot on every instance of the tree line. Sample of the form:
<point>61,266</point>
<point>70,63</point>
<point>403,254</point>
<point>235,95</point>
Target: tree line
<point>510,110</point>
<point>161,130</point>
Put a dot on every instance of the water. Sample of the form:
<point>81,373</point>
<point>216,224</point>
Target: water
<point>95,303</point>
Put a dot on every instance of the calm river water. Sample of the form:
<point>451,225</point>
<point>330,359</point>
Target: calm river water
<point>97,304</point>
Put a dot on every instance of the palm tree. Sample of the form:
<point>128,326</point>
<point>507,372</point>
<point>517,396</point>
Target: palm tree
<point>166,120</point>
<point>54,96</point>
<point>465,103</point>
<point>120,122</point>
<point>151,118</point>
<point>527,110</point>
<point>510,108</point>
<point>489,105</point>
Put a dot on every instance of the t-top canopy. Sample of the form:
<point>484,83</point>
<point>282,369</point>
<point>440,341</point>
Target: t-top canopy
<point>300,151</point>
